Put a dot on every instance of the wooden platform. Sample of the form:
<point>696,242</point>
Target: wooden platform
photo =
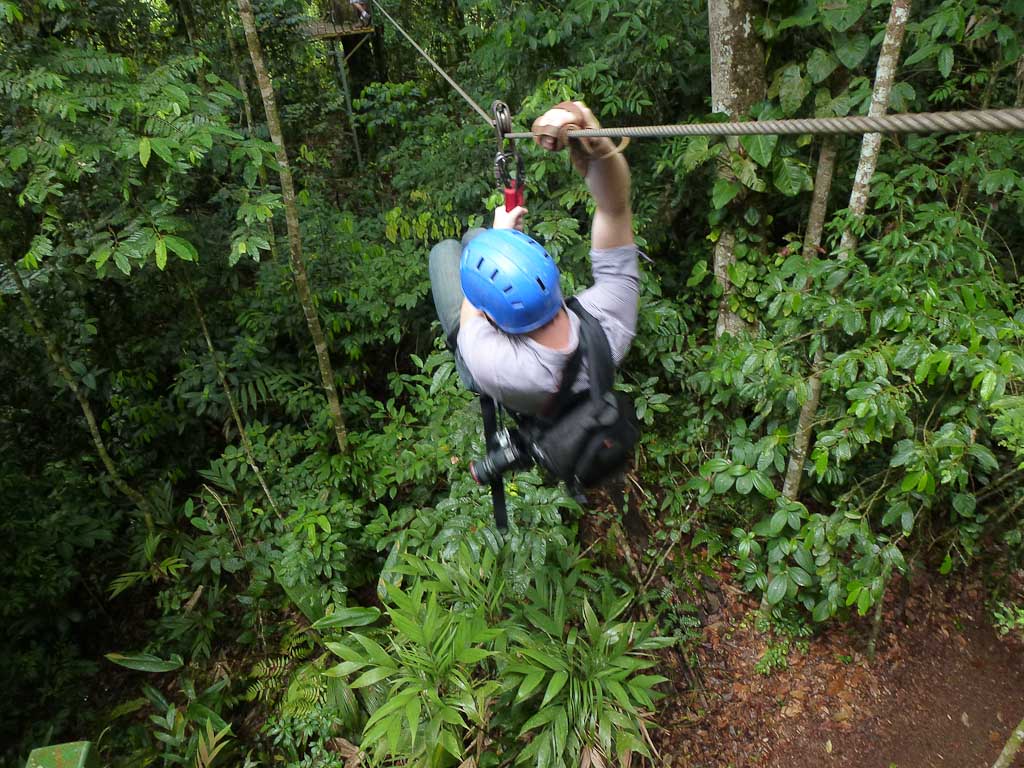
<point>325,30</point>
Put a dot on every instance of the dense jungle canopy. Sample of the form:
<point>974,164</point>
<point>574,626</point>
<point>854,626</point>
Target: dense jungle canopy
<point>237,526</point>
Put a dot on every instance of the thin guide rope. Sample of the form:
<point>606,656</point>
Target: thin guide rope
<point>435,65</point>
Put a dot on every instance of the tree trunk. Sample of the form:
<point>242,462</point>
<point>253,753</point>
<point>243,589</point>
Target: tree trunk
<point>339,60</point>
<point>819,202</point>
<point>57,357</point>
<point>243,434</point>
<point>737,83</point>
<point>243,86</point>
<point>1005,759</point>
<point>292,220</point>
<point>872,142</point>
<point>885,74</point>
<point>812,245</point>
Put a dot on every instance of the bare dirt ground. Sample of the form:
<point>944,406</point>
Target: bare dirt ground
<point>943,691</point>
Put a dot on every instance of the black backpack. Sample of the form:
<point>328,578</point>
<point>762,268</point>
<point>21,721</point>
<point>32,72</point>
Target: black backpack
<point>586,438</point>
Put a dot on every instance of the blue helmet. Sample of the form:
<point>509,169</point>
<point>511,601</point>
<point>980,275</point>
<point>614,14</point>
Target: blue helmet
<point>510,277</point>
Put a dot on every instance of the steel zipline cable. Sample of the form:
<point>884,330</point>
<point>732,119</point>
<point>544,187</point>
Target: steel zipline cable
<point>991,120</point>
<point>924,122</point>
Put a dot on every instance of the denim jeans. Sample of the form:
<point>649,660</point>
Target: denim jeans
<point>446,286</point>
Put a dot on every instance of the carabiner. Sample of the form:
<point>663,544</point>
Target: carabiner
<point>508,165</point>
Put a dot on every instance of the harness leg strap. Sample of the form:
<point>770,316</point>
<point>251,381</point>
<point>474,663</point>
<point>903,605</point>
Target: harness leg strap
<point>490,413</point>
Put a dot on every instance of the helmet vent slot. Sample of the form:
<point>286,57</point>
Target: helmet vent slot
<point>541,284</point>
<point>494,274</point>
<point>480,263</point>
<point>508,289</point>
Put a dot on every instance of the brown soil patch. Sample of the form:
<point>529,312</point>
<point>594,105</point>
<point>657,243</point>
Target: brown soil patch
<point>944,691</point>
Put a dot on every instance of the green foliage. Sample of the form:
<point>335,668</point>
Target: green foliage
<point>469,667</point>
<point>126,147</point>
<point>1008,618</point>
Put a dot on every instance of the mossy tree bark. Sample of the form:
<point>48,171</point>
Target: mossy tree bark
<point>737,83</point>
<point>1005,759</point>
<point>291,213</point>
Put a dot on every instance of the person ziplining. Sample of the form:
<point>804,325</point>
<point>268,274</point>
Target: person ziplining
<point>518,344</point>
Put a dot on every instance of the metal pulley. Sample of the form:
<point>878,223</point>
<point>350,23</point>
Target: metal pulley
<point>508,165</point>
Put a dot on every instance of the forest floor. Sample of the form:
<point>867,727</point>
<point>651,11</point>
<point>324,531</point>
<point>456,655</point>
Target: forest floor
<point>943,690</point>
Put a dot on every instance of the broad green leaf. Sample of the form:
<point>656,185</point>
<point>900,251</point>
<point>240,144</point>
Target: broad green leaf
<point>946,60</point>
<point>348,617</point>
<point>820,65</point>
<point>863,601</point>
<point>964,504</point>
<point>555,685</point>
<point>183,248</point>
<point>822,611</point>
<point>790,176</point>
<point>778,521</point>
<point>764,485</point>
<point>412,715</point>
<point>793,89</point>
<point>801,577</point>
<point>805,559</point>
<point>717,464</point>
<point>529,684</point>
<point>777,589</point>
<point>372,676</point>
<point>760,148</point>
<point>545,716</point>
<point>723,193</point>
<point>146,662</point>
<point>852,50</point>
<point>17,158</point>
<point>144,148</point>
<point>161,253</point>
<point>840,15</point>
<point>344,669</point>
<point>723,482</point>
<point>162,149</point>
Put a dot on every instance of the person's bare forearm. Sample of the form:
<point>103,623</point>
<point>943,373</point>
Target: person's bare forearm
<point>608,181</point>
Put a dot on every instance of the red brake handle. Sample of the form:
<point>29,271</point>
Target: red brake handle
<point>513,196</point>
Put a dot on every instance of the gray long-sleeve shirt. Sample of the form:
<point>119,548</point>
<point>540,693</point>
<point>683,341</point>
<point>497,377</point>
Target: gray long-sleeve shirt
<point>523,374</point>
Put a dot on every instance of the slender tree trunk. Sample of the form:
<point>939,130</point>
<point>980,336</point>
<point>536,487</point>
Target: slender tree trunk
<point>819,202</point>
<point>1019,101</point>
<point>885,74</point>
<point>292,219</point>
<point>812,245</point>
<point>243,86</point>
<point>737,83</point>
<point>1005,759</point>
<point>872,142</point>
<point>219,366</point>
<point>339,60</point>
<point>57,357</point>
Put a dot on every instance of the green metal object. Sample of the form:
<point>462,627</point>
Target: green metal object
<point>77,754</point>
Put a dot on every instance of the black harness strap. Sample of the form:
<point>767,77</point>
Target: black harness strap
<point>490,412</point>
<point>600,365</point>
